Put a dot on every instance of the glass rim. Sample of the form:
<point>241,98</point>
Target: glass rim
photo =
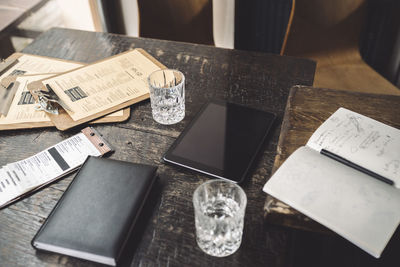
<point>243,199</point>
<point>174,70</point>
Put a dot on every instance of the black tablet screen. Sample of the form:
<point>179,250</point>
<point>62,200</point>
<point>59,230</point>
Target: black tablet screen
<point>222,140</point>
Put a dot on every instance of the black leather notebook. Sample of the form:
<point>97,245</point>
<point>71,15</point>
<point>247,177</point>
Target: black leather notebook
<point>97,212</point>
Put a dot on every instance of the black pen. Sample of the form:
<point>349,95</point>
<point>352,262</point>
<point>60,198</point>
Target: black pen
<point>355,166</point>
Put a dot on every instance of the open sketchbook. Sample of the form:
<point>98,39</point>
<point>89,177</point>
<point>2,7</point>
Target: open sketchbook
<point>361,208</point>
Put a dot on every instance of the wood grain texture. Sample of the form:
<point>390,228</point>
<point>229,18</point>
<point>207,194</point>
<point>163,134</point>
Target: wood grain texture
<point>165,234</point>
<point>306,110</point>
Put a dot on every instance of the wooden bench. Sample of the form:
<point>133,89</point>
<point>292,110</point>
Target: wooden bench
<point>13,12</point>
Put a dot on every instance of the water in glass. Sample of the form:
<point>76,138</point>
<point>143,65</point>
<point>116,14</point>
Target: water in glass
<point>168,105</point>
<point>219,219</point>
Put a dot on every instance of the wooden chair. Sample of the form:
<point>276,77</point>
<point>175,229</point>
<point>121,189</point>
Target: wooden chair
<point>179,20</point>
<point>328,31</point>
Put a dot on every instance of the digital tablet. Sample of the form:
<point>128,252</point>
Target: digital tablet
<point>222,140</point>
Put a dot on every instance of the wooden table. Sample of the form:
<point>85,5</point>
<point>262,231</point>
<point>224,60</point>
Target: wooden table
<point>165,234</point>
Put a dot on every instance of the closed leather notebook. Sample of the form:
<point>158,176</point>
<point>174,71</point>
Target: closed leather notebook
<point>97,212</point>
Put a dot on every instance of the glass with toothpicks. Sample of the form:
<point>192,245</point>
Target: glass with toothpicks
<point>167,96</point>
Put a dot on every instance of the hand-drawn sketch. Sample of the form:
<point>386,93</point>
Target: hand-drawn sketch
<point>362,140</point>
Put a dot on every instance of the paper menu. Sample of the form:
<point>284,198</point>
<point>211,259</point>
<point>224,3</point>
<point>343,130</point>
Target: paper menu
<point>33,68</point>
<point>30,64</point>
<point>362,140</point>
<point>103,85</point>
<point>22,109</point>
<point>27,69</point>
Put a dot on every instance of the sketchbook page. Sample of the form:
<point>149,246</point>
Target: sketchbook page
<point>103,85</point>
<point>361,140</point>
<point>358,207</point>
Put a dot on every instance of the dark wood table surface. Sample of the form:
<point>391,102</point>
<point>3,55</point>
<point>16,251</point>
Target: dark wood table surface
<point>166,229</point>
<point>165,234</point>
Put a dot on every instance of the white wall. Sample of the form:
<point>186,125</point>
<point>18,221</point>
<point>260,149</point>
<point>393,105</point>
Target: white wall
<point>224,23</point>
<point>76,14</point>
<point>130,12</point>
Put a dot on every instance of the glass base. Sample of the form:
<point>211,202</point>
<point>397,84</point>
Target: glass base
<point>168,119</point>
